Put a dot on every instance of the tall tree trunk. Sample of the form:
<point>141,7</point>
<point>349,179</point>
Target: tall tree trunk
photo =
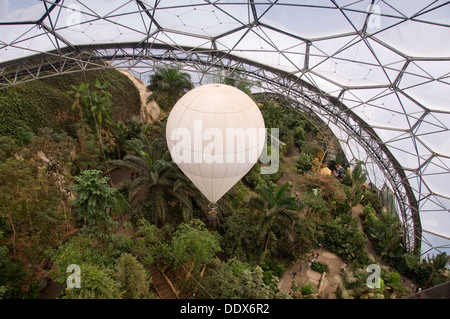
<point>266,245</point>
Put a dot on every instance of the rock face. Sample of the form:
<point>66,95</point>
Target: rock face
<point>149,111</point>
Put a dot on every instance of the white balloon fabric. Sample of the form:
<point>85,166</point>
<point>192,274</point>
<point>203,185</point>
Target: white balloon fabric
<point>215,134</point>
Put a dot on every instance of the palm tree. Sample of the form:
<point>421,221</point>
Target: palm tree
<point>167,86</point>
<point>95,104</point>
<point>437,263</point>
<point>354,286</point>
<point>237,80</point>
<point>275,204</point>
<point>159,180</point>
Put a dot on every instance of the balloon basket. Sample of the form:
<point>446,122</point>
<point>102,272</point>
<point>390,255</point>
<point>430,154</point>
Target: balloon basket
<point>212,214</point>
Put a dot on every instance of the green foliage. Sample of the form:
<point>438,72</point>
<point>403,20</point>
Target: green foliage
<point>342,236</point>
<point>220,282</point>
<point>237,80</point>
<point>79,249</point>
<point>311,148</point>
<point>237,280</point>
<point>275,205</point>
<point>306,291</point>
<point>241,194</point>
<point>322,196</point>
<point>372,198</point>
<point>93,198</point>
<point>96,283</point>
<point>167,86</point>
<point>299,136</point>
<point>253,177</point>
<point>151,246</point>
<point>45,102</point>
<point>307,234</point>
<point>272,268</point>
<point>273,114</point>
<point>107,271</point>
<point>437,264</point>
<point>253,285</point>
<point>94,103</point>
<point>358,178</point>
<point>171,191</point>
<point>132,277</point>
<point>287,137</point>
<point>8,147</point>
<point>386,234</point>
<point>239,233</point>
<point>304,162</point>
<point>319,267</point>
<point>30,208</point>
<point>384,229</point>
<point>194,244</point>
<point>113,267</point>
<point>30,105</point>
<point>355,285</point>
<point>11,274</point>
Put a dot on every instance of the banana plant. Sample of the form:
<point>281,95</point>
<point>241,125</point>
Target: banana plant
<point>81,95</point>
<point>358,178</point>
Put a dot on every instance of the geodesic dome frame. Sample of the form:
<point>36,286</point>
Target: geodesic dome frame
<point>361,66</point>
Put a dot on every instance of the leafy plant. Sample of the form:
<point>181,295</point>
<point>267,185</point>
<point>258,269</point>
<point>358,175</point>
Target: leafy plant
<point>304,163</point>
<point>358,178</point>
<point>275,206</point>
<point>194,245</point>
<point>132,277</point>
<point>167,86</point>
<point>319,267</point>
<point>94,199</point>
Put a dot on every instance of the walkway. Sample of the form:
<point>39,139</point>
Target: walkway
<point>161,286</point>
<point>304,274</point>
<point>356,213</point>
<point>334,263</point>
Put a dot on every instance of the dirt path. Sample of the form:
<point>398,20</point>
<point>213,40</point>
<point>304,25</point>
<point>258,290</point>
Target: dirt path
<point>300,267</point>
<point>304,274</point>
<point>370,250</point>
<point>356,213</point>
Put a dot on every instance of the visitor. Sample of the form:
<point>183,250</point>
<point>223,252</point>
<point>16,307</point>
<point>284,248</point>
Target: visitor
<point>301,267</point>
<point>340,171</point>
<point>293,274</point>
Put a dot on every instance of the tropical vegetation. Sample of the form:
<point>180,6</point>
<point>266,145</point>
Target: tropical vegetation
<point>83,182</point>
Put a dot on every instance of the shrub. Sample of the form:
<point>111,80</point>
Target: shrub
<point>320,267</point>
<point>304,162</point>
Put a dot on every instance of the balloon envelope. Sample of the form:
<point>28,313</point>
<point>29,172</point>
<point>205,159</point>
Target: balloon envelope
<point>215,134</point>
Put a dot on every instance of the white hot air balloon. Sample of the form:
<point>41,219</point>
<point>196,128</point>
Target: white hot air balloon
<point>215,133</point>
